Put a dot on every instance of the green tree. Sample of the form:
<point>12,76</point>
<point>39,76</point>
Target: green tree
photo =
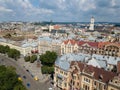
<point>33,58</point>
<point>2,49</point>
<point>30,58</point>
<point>47,69</point>
<point>8,78</point>
<point>48,58</point>
<point>19,87</point>
<point>13,53</point>
<point>7,48</point>
<point>27,58</point>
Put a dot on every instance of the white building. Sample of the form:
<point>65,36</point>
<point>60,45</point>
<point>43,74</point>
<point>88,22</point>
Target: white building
<point>92,24</point>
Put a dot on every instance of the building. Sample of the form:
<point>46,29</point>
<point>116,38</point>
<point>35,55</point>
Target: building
<point>114,84</point>
<point>25,47</point>
<point>109,49</point>
<point>102,48</point>
<point>62,69</point>
<point>69,46</point>
<point>80,76</point>
<point>49,44</point>
<point>92,24</point>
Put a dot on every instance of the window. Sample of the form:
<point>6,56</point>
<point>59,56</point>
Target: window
<point>86,80</point>
<point>61,72</point>
<point>104,87</point>
<point>56,69</point>
<point>65,73</point>
<point>112,89</point>
<point>73,83</point>
<point>65,84</point>
<point>74,77</point>
<point>94,82</point>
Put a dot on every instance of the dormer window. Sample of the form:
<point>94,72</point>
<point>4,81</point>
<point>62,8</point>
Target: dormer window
<point>100,77</point>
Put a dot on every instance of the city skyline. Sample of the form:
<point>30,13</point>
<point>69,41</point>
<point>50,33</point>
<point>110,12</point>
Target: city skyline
<point>60,10</point>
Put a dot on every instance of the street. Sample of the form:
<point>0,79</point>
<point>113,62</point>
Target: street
<point>27,79</point>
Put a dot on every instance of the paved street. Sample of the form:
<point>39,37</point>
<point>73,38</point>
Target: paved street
<point>32,68</point>
<point>34,85</point>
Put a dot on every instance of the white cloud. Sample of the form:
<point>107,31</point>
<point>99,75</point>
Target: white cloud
<point>71,10</point>
<point>3,9</point>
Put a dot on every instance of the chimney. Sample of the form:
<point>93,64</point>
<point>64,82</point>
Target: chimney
<point>118,67</point>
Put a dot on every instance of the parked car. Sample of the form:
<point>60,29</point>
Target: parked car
<point>24,77</point>
<point>28,84</point>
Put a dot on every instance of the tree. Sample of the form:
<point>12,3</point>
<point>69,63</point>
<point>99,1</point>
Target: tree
<point>19,87</point>
<point>30,58</point>
<point>7,48</point>
<point>8,79</point>
<point>13,53</point>
<point>27,58</point>
<point>33,58</point>
<point>47,69</point>
<point>2,49</point>
<point>48,58</point>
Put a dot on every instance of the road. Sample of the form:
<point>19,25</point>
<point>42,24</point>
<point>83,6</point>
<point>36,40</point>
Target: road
<point>34,85</point>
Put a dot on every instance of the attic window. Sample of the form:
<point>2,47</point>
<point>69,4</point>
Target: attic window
<point>101,77</point>
<point>115,81</point>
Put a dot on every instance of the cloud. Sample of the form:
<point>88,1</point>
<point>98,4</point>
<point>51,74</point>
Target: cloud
<point>60,10</point>
<point>3,9</point>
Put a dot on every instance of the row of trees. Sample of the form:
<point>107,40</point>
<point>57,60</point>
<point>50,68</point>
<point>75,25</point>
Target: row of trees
<point>30,59</point>
<point>9,79</point>
<point>12,53</point>
<point>48,60</point>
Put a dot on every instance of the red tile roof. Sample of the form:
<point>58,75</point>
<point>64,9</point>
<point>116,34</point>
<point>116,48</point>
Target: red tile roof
<point>92,44</point>
<point>71,41</point>
<point>98,74</point>
<point>80,43</point>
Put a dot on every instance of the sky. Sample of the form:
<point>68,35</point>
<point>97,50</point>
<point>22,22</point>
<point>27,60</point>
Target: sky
<point>60,10</point>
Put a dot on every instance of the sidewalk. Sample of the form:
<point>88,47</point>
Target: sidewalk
<point>32,69</point>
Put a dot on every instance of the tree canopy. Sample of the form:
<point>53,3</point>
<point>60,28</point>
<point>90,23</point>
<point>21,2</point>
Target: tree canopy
<point>13,53</point>
<point>48,58</point>
<point>32,58</point>
<point>9,79</point>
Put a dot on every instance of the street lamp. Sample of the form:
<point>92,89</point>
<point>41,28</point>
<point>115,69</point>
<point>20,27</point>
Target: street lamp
<point>38,61</point>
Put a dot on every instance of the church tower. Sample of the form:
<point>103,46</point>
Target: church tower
<point>50,26</point>
<point>92,24</point>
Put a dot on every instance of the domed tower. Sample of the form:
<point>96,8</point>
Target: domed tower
<point>92,24</point>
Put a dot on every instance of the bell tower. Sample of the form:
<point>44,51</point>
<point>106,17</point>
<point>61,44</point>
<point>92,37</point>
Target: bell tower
<point>92,24</point>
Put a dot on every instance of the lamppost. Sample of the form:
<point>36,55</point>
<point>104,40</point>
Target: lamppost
<point>38,61</point>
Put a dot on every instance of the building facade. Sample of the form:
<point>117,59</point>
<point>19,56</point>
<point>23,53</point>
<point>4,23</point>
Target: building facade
<point>114,84</point>
<point>102,48</point>
<point>82,77</point>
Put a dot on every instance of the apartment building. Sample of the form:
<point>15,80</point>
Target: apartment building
<point>49,44</point>
<point>24,47</point>
<point>103,48</point>
<point>79,76</point>
<point>114,84</point>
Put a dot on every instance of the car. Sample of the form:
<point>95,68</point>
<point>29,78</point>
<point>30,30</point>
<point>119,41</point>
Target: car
<point>27,70</point>
<point>28,84</point>
<point>19,78</point>
<point>24,77</point>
